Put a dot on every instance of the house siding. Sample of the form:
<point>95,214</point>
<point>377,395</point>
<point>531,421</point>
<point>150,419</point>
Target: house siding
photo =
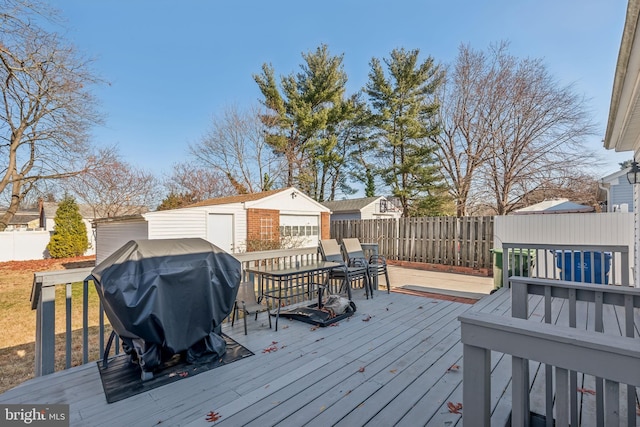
<point>369,211</point>
<point>112,236</point>
<point>192,222</point>
<point>619,194</point>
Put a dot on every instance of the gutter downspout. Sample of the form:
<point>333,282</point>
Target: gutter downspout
<point>606,189</point>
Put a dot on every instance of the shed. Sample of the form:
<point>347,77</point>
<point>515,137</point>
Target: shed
<point>363,208</point>
<point>618,191</point>
<point>241,223</point>
<point>557,206</point>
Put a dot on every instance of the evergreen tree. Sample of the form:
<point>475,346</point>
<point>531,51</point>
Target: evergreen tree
<point>307,120</point>
<point>69,237</point>
<point>177,200</point>
<point>403,107</point>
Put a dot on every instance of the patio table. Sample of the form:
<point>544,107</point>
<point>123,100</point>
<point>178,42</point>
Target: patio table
<point>295,283</point>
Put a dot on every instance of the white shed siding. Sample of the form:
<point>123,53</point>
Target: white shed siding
<point>369,211</point>
<point>112,235</point>
<point>177,224</point>
<point>240,232</point>
<point>192,222</point>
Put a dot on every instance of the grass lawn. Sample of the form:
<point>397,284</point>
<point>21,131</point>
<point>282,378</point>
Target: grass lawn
<point>17,322</point>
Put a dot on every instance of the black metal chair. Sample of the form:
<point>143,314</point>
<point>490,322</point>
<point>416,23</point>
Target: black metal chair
<point>376,264</point>
<point>247,303</point>
<point>330,251</point>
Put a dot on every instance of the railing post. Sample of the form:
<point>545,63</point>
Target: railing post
<point>519,300</point>
<point>476,386</point>
<point>520,366</point>
<point>45,304</point>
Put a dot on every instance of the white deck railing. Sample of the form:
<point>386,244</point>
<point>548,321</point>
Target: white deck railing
<point>566,347</point>
<point>605,264</point>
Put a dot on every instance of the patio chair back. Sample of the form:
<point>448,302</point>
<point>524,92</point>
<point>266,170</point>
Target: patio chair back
<point>377,264</point>
<point>247,303</point>
<point>352,249</point>
<point>330,251</point>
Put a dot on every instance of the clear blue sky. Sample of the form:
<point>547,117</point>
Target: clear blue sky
<point>173,65</point>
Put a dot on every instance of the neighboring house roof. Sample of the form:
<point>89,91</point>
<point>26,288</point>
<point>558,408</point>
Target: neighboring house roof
<point>614,177</point>
<point>250,200</point>
<point>240,198</point>
<point>557,206</point>
<point>350,205</point>
<point>50,209</point>
<point>23,218</point>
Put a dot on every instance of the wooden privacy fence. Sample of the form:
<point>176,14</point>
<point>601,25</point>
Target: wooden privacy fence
<point>464,242</point>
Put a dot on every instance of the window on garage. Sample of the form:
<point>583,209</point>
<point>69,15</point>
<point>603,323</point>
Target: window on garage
<point>266,229</point>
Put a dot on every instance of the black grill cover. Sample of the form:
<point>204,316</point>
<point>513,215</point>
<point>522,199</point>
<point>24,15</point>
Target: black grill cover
<point>168,296</point>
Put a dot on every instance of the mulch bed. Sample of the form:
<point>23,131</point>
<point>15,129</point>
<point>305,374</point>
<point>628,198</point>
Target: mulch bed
<point>48,264</point>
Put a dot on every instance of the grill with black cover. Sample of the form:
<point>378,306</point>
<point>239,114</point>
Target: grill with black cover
<point>168,297</point>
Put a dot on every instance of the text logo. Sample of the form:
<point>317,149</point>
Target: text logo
<point>34,415</point>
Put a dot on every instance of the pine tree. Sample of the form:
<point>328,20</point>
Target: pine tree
<point>69,237</point>
<point>307,122</point>
<point>403,107</point>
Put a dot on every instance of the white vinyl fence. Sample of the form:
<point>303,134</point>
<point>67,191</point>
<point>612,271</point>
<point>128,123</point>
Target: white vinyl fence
<point>24,245</point>
<point>570,230</point>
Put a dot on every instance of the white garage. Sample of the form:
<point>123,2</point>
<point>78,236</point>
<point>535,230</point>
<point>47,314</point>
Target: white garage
<point>248,222</point>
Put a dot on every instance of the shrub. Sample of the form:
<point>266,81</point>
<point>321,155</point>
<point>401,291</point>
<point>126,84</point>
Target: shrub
<point>69,237</point>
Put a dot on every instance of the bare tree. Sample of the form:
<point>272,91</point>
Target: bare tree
<point>117,188</point>
<point>235,146</point>
<point>469,97</point>
<point>198,183</point>
<point>46,107</point>
<point>509,129</point>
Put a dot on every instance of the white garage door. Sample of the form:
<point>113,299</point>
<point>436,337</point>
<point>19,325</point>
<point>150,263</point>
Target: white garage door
<point>299,231</point>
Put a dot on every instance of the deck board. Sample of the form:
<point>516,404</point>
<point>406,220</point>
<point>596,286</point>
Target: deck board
<point>388,364</point>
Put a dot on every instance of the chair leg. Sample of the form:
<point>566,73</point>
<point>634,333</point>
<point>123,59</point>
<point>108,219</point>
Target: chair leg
<point>347,283</point>
<point>234,312</point>
<point>386,275</point>
<point>369,283</point>
<point>245,313</point>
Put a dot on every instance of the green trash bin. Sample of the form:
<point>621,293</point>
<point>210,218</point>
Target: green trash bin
<point>497,268</point>
<point>525,258</point>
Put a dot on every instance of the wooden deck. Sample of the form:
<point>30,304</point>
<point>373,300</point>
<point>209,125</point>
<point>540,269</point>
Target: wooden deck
<point>397,361</point>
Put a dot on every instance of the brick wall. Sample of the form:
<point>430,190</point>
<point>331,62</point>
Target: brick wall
<point>325,228</point>
<point>263,229</point>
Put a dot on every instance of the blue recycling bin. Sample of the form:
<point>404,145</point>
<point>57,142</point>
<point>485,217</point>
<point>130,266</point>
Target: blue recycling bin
<point>573,264</point>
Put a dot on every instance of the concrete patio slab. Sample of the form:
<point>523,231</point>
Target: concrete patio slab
<point>458,285</point>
